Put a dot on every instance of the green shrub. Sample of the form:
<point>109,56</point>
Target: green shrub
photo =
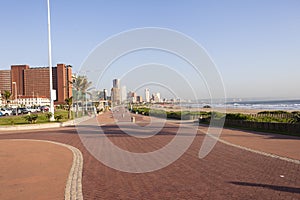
<point>31,118</point>
<point>58,117</point>
<point>295,118</point>
<point>158,113</point>
<point>273,112</point>
<point>216,115</point>
<point>48,115</point>
<point>174,115</point>
<point>237,116</point>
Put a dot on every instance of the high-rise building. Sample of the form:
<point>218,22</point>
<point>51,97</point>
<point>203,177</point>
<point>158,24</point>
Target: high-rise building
<point>17,77</point>
<point>5,81</point>
<point>131,97</point>
<point>63,75</point>
<point>116,83</point>
<point>26,81</point>
<point>139,99</point>
<point>147,95</point>
<point>156,97</point>
<point>103,94</point>
<point>36,82</point>
<point>116,92</point>
<point>123,94</point>
<point>115,96</point>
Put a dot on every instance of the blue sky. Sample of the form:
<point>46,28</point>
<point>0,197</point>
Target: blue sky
<point>255,44</point>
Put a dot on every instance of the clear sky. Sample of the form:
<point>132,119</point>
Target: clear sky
<point>254,43</point>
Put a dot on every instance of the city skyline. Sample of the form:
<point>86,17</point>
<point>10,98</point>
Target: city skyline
<point>255,44</point>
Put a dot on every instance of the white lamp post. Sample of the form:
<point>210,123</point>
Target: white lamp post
<point>50,66</point>
<point>16,93</point>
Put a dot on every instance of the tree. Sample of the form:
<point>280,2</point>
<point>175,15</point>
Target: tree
<point>6,96</point>
<point>80,84</point>
<point>69,102</point>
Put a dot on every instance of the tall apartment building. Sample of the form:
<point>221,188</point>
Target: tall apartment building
<point>26,81</point>
<point>139,99</point>
<point>17,77</point>
<point>105,94</point>
<point>123,94</point>
<point>147,95</point>
<point>116,83</point>
<point>116,92</point>
<point>132,97</point>
<point>62,82</point>
<point>5,80</point>
<point>36,82</point>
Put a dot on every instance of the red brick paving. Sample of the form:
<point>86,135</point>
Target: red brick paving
<point>282,145</point>
<point>33,170</point>
<point>226,173</point>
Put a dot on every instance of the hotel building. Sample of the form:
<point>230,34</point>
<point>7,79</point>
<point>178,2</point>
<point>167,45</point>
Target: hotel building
<point>22,80</point>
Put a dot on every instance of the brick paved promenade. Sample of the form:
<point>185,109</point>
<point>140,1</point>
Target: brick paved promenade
<point>33,169</point>
<point>226,173</point>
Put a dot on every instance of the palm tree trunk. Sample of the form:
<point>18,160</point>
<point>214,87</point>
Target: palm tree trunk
<point>76,103</point>
<point>69,113</point>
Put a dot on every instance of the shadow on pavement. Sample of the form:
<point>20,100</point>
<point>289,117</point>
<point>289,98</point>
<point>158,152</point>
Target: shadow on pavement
<point>272,187</point>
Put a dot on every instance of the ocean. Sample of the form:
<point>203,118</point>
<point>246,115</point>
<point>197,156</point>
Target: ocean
<point>266,105</point>
<point>257,104</point>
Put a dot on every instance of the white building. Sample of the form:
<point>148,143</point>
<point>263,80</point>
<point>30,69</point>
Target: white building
<point>123,94</point>
<point>116,92</point>
<point>116,83</point>
<point>147,95</point>
<point>28,101</point>
<point>156,97</point>
<point>131,97</point>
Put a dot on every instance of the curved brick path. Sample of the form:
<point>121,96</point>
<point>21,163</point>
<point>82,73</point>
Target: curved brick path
<point>226,173</point>
<point>33,169</point>
<point>30,167</point>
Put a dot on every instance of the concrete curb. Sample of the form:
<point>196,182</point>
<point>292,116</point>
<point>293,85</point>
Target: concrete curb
<point>44,126</point>
<point>73,189</point>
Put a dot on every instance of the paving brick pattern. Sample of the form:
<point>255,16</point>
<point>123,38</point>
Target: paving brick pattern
<point>226,173</point>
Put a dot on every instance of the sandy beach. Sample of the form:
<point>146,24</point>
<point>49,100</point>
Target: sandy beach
<point>223,110</point>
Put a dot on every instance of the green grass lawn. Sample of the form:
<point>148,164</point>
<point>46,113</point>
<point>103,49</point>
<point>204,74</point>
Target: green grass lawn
<point>20,119</point>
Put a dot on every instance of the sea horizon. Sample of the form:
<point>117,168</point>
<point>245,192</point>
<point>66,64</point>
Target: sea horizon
<point>257,104</point>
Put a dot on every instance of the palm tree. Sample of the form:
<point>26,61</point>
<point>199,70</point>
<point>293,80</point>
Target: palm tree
<point>69,102</point>
<point>77,82</point>
<point>85,89</point>
<point>7,95</point>
<point>80,84</point>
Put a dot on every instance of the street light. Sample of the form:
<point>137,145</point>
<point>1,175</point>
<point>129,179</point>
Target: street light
<point>50,66</point>
<point>16,93</point>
